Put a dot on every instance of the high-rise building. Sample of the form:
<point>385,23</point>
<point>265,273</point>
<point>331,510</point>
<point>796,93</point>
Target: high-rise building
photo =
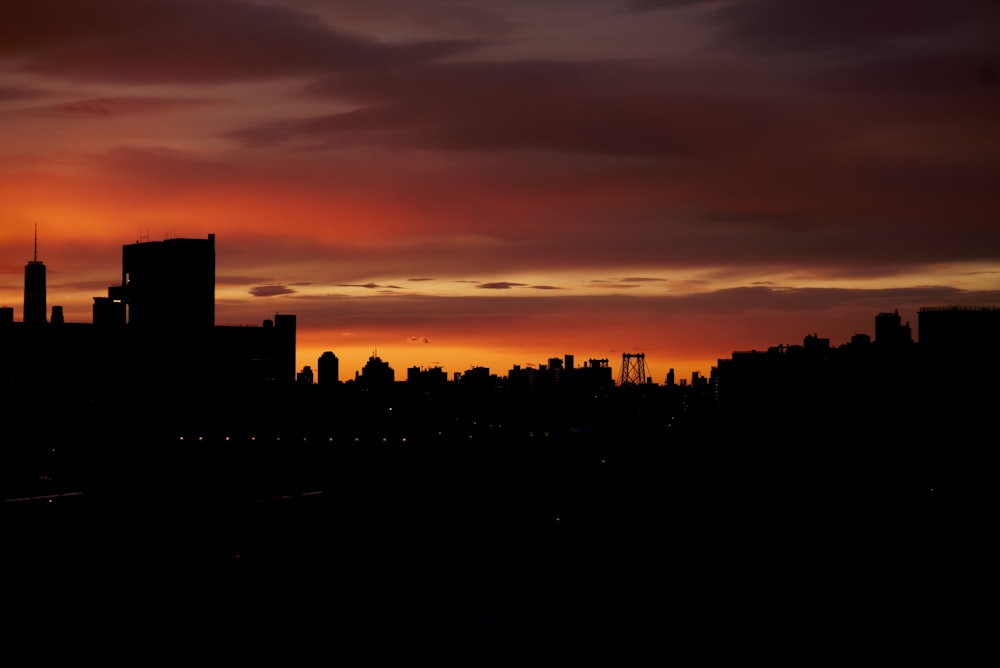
<point>169,286</point>
<point>35,305</point>
<point>964,330</point>
<point>376,373</point>
<point>328,369</point>
<point>890,332</point>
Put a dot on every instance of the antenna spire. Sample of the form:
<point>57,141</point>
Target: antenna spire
<point>36,242</point>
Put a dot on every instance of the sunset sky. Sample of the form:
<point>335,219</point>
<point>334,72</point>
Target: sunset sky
<point>462,183</point>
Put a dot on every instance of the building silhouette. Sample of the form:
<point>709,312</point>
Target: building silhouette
<point>305,376</point>
<point>34,289</point>
<point>169,286</point>
<point>153,345</point>
<point>960,331</point>
<point>891,332</point>
<point>327,369</point>
<point>376,373</point>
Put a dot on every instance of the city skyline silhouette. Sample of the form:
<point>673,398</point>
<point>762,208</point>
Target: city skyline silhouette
<point>178,275</point>
<point>545,500</point>
<point>617,330</point>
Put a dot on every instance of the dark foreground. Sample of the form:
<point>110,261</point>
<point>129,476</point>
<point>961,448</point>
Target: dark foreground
<point>575,541</point>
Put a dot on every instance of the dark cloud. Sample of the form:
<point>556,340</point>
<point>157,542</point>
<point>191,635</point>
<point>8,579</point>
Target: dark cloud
<point>642,279</point>
<point>500,285</point>
<point>420,279</point>
<point>271,290</point>
<point>369,286</point>
<point>545,287</point>
<point>650,5</point>
<point>190,41</point>
<point>107,107</point>
<point>828,25</point>
<point>615,108</point>
<point>418,339</point>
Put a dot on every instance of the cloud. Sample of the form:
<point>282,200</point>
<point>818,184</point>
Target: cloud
<point>500,285</point>
<point>613,108</point>
<point>107,107</point>
<point>792,26</point>
<point>545,287</point>
<point>651,5</point>
<point>271,290</point>
<point>628,282</point>
<point>190,41</point>
<point>418,339</point>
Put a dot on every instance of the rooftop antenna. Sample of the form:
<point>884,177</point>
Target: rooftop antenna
<point>36,242</point>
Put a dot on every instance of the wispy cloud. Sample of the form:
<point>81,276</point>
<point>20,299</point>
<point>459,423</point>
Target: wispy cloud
<point>271,290</point>
<point>192,41</point>
<point>108,107</point>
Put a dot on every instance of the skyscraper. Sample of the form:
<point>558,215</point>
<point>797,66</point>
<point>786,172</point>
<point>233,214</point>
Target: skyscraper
<point>169,286</point>
<point>328,367</point>
<point>35,305</point>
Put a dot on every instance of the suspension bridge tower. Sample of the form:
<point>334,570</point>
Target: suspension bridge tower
<point>633,369</point>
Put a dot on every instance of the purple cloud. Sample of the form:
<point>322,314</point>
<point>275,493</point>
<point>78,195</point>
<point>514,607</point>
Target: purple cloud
<point>191,41</point>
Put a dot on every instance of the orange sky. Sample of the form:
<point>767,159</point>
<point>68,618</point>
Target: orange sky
<point>459,183</point>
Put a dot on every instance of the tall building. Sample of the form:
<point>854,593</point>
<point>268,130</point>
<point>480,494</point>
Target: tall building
<point>376,373</point>
<point>328,369</point>
<point>169,286</point>
<point>890,330</point>
<point>35,305</point>
<point>959,330</point>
